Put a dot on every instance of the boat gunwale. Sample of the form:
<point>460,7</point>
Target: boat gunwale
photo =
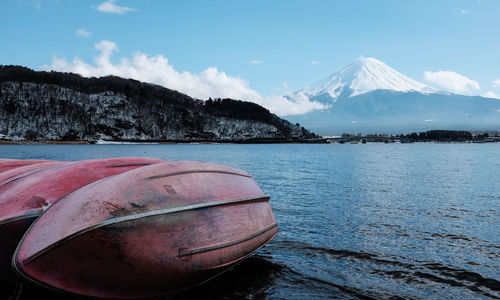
<point>21,175</point>
<point>197,171</point>
<point>22,217</point>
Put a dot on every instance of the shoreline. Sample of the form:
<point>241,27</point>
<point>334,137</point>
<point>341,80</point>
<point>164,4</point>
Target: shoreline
<point>165,142</point>
<point>317,141</point>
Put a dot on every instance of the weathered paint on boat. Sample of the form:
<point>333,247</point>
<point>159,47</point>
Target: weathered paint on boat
<point>147,232</point>
<point>23,197</point>
<point>26,170</point>
<point>8,164</point>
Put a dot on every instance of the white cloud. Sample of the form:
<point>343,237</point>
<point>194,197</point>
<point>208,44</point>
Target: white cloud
<point>491,94</point>
<point>300,104</point>
<point>156,69</point>
<point>462,12</point>
<point>452,82</point>
<point>255,62</point>
<point>314,62</point>
<point>82,32</point>
<point>496,83</point>
<point>38,4</point>
<point>110,7</point>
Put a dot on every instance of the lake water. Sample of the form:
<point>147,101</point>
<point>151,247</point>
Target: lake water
<point>369,221</point>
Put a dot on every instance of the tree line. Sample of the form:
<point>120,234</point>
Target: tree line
<point>444,136</point>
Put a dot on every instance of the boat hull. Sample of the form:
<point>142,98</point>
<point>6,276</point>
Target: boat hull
<point>158,236</point>
<point>25,196</point>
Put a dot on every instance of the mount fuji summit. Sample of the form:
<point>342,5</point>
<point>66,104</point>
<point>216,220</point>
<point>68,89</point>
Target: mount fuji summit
<point>368,96</point>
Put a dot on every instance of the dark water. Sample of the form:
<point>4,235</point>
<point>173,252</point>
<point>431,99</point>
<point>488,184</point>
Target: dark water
<point>374,221</point>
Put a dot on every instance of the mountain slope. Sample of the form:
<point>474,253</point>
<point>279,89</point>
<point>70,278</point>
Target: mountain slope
<point>368,96</point>
<point>65,106</point>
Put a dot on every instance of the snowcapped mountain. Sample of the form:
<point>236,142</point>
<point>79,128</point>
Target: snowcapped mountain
<point>364,75</point>
<point>369,96</point>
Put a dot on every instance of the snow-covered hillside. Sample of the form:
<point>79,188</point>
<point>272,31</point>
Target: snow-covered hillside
<point>64,106</point>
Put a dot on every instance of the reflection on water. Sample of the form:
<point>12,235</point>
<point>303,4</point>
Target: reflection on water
<point>387,221</point>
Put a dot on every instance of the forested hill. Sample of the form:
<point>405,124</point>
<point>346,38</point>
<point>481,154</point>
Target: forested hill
<point>66,106</point>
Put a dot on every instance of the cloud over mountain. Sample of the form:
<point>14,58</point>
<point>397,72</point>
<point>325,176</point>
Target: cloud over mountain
<point>452,82</point>
<point>491,94</point>
<point>156,69</point>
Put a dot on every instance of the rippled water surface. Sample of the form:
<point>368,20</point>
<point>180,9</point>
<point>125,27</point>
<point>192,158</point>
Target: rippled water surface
<point>373,221</point>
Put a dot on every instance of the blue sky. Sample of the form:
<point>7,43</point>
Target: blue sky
<point>255,48</point>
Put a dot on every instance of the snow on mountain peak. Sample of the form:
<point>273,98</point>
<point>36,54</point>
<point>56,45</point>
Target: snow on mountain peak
<point>371,74</point>
<point>364,75</point>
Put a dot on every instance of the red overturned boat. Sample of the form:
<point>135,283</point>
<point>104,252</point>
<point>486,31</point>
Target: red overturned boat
<point>24,196</point>
<point>8,164</point>
<point>147,232</point>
